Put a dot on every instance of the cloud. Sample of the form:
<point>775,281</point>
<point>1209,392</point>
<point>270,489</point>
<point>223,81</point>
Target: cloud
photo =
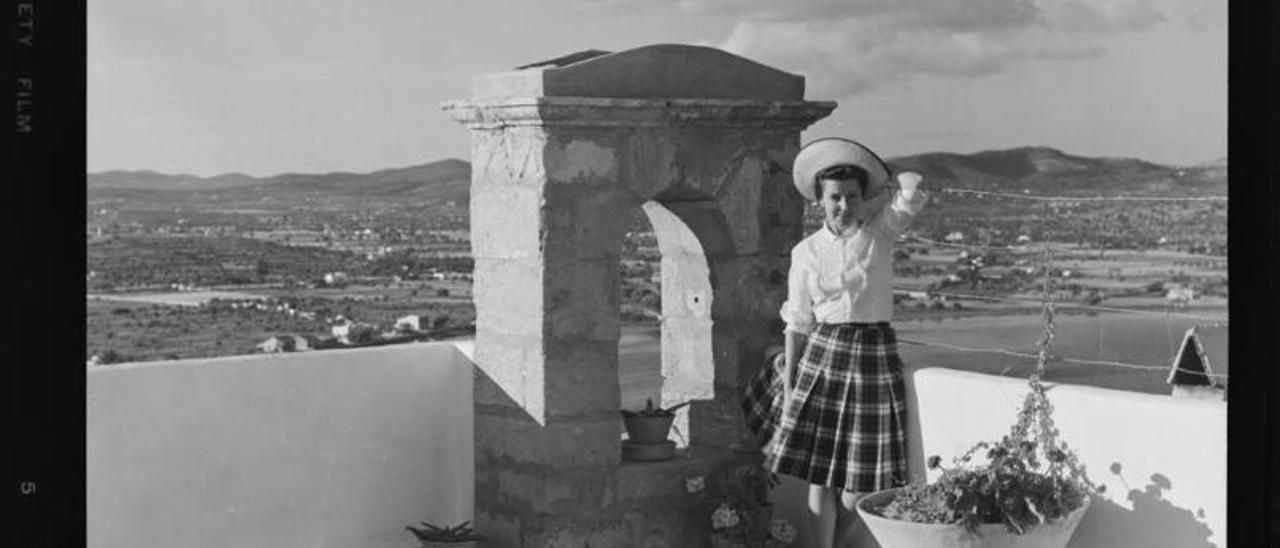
<point>856,46</point>
<point>1094,16</point>
<point>1073,15</point>
<point>1200,15</point>
<point>1099,16</point>
<point>604,7</point>
<point>841,59</point>
<point>969,14</point>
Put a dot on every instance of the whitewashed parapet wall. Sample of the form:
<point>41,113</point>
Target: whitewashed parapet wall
<point>327,449</point>
<point>1163,459</point>
<point>561,158</point>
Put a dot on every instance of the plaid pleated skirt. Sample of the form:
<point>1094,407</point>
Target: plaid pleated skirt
<point>762,404</point>
<point>845,426</point>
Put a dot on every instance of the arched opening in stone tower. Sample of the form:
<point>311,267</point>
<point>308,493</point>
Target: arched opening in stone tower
<point>640,314</point>
<point>665,348</point>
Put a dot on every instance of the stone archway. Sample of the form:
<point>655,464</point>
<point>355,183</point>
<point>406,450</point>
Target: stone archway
<point>681,372</point>
<point>560,155</point>
<point>687,298</point>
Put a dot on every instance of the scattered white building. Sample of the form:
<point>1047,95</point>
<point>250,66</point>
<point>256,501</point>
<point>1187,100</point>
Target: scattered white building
<point>286,343</point>
<point>340,331</point>
<point>1179,295</point>
<point>953,237</point>
<point>913,295</point>
<point>354,332</point>
<point>413,322</point>
<point>335,278</point>
<point>1024,239</point>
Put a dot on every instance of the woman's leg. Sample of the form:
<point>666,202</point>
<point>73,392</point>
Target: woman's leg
<point>848,520</point>
<point>849,499</point>
<point>823,510</point>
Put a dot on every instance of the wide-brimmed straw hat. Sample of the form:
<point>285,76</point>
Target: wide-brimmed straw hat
<point>834,151</point>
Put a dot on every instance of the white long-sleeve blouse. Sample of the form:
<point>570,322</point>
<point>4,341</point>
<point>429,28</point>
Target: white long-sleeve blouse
<point>844,278</point>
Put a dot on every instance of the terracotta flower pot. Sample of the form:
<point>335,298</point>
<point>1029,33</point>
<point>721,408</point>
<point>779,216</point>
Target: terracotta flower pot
<point>642,429</point>
<point>891,533</point>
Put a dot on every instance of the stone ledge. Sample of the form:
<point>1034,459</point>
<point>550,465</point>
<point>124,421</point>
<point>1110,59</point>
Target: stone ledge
<point>632,113</point>
<point>641,480</point>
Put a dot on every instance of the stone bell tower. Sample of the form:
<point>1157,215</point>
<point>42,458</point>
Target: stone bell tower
<point>563,153</point>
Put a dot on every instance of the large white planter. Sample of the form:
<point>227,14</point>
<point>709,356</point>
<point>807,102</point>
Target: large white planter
<point>891,533</point>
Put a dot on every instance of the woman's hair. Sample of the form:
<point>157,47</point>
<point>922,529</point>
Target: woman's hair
<point>842,172</point>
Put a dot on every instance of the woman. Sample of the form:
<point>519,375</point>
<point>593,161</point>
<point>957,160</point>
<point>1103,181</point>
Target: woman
<point>834,411</point>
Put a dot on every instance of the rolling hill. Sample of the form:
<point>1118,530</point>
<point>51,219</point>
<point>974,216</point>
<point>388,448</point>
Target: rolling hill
<point>1035,169</point>
<point>151,180</point>
<point>1051,171</point>
<point>444,180</point>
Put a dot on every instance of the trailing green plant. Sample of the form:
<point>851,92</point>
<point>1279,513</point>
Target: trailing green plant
<point>1029,477</point>
<point>652,411</point>
<point>455,534</point>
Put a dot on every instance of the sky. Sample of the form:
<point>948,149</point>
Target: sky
<point>311,86</point>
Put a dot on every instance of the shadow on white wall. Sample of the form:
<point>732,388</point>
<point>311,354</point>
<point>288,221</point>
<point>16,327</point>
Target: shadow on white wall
<point>1153,522</point>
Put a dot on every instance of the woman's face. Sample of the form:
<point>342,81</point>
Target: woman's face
<point>841,201</point>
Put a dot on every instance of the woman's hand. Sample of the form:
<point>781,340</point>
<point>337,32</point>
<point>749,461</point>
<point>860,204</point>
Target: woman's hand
<point>909,181</point>
<point>795,343</point>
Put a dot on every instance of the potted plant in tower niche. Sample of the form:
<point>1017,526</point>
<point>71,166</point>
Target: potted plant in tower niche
<point>647,431</point>
<point>455,536</point>
<point>1026,490</point>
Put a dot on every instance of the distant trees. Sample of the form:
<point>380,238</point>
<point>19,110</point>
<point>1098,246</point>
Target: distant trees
<point>651,300</point>
<point>362,333</point>
<point>640,302</point>
<point>637,269</point>
<point>110,356</point>
<point>142,260</point>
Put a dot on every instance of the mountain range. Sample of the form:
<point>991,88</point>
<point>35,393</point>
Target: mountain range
<point>1038,169</point>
